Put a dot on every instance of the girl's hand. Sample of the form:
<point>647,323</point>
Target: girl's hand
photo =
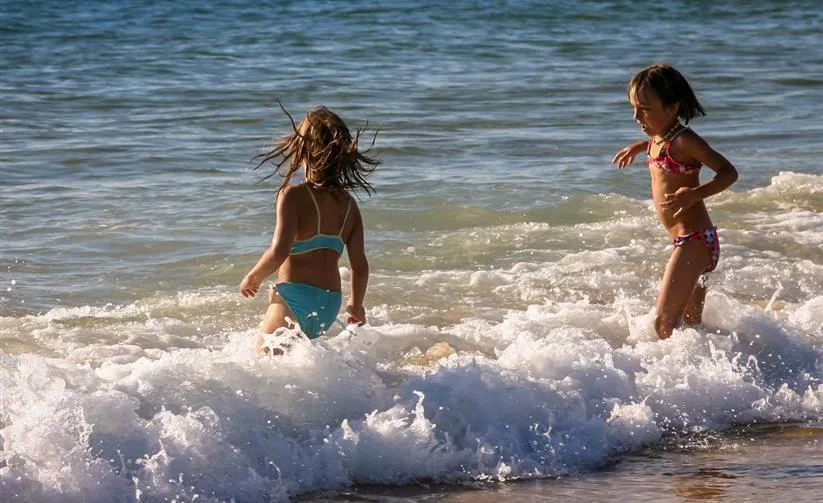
<point>626,156</point>
<point>357,315</point>
<point>250,285</point>
<point>681,200</point>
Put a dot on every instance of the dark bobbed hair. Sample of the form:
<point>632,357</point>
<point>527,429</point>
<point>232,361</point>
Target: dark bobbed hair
<point>671,87</point>
<point>323,144</point>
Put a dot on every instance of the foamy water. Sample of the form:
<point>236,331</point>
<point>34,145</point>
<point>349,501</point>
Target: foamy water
<point>542,365</point>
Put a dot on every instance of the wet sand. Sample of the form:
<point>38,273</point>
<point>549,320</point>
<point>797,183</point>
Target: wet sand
<point>774,463</point>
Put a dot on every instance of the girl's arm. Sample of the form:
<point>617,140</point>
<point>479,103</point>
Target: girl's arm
<point>626,156</point>
<point>285,230</point>
<point>359,270</point>
<point>691,146</point>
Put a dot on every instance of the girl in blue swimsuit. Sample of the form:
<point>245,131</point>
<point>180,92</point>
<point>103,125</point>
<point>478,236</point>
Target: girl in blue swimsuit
<point>316,220</point>
<point>663,104</point>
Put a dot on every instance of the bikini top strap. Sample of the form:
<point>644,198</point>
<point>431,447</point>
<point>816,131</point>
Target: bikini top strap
<point>668,142</point>
<point>346,216</point>
<point>316,207</point>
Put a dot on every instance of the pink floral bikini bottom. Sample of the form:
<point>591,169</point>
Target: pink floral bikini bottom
<point>707,238</point>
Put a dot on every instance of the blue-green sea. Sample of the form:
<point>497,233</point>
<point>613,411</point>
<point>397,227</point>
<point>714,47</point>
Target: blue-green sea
<point>514,270</point>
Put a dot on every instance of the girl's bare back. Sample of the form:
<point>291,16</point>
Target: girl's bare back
<point>318,267</point>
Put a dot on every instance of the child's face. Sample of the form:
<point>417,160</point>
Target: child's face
<point>654,117</point>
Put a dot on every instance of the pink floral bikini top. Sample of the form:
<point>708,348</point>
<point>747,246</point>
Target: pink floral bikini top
<point>665,161</point>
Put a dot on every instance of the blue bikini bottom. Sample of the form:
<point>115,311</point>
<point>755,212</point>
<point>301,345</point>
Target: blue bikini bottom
<point>315,308</point>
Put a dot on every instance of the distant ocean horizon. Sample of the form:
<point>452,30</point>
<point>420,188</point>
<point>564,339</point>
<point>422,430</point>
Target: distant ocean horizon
<point>514,270</point>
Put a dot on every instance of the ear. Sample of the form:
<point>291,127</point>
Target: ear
<point>676,108</point>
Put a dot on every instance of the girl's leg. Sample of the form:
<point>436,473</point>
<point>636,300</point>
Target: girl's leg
<point>685,266</point>
<point>693,312</point>
<point>275,318</point>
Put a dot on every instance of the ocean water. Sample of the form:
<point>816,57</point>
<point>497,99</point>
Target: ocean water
<point>514,270</point>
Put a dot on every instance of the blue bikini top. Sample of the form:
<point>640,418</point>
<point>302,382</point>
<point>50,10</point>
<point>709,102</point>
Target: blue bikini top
<point>321,241</point>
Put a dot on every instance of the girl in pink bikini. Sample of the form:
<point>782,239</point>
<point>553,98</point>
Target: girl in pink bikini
<point>663,104</point>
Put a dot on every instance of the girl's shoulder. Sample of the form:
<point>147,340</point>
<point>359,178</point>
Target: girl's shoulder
<point>293,195</point>
<point>342,195</point>
<point>683,146</point>
<point>347,200</point>
<point>290,189</point>
<point>685,136</point>
<point>685,140</point>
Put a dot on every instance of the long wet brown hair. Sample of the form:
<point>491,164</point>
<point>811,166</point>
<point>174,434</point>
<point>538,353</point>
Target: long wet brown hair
<point>324,146</point>
<point>671,87</point>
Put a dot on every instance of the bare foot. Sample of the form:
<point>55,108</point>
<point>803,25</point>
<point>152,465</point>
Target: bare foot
<point>265,350</point>
<point>277,347</point>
